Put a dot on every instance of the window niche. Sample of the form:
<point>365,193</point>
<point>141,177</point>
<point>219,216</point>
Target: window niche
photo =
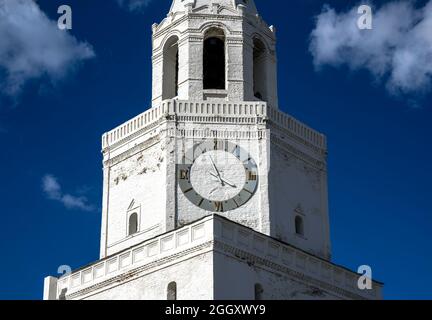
<point>299,226</point>
<point>172,291</point>
<point>133,224</point>
<point>133,217</point>
<point>259,292</point>
<point>259,69</point>
<point>214,65</point>
<point>170,68</point>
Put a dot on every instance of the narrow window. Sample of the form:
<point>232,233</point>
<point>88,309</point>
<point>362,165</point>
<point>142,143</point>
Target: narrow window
<point>170,68</point>
<point>299,225</point>
<point>133,224</point>
<point>259,291</point>
<point>63,294</point>
<point>172,291</point>
<point>259,70</point>
<point>214,60</point>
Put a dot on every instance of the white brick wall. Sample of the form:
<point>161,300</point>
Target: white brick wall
<point>212,258</point>
<point>140,166</point>
<point>196,285</point>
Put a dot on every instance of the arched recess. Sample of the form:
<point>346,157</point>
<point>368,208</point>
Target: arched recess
<point>214,64</point>
<point>259,292</point>
<point>170,68</point>
<point>133,224</point>
<point>299,226</point>
<point>172,291</point>
<point>260,69</point>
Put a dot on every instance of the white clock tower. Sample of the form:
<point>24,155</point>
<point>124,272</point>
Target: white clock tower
<point>213,193</point>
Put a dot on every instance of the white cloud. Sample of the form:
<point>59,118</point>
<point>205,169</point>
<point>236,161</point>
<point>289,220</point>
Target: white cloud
<point>53,191</point>
<point>32,46</point>
<point>134,5</point>
<point>398,51</point>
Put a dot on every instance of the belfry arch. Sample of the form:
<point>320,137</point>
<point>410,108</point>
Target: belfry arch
<point>214,60</point>
<point>260,69</point>
<point>170,68</point>
<point>226,52</point>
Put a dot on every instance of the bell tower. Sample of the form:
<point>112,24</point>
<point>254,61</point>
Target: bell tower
<point>214,92</point>
<point>219,50</point>
<point>213,192</point>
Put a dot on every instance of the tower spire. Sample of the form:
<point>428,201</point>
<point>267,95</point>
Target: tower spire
<point>183,5</point>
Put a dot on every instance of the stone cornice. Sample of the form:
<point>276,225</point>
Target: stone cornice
<point>295,137</point>
<point>286,147</point>
<point>212,234</point>
<point>249,258</point>
<point>215,246</point>
<point>195,16</point>
<point>142,270</point>
<point>132,151</point>
<point>216,112</point>
<point>137,134</point>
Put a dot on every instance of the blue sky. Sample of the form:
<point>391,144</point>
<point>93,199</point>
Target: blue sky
<point>53,115</point>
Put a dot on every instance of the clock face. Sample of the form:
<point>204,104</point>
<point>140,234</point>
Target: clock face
<point>218,176</point>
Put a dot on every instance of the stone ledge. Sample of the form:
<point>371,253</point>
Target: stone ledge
<point>242,112</point>
<point>214,233</point>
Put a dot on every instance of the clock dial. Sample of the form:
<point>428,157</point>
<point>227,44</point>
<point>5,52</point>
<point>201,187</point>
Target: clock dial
<point>218,176</point>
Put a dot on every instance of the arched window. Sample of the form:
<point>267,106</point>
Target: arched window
<point>259,291</point>
<point>170,68</point>
<point>133,224</point>
<point>214,59</point>
<point>62,295</point>
<point>259,69</point>
<point>172,291</point>
<point>299,225</point>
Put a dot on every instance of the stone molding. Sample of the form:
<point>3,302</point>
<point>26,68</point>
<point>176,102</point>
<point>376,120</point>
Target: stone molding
<point>251,259</point>
<point>212,234</point>
<point>285,147</point>
<point>143,270</point>
<point>215,112</point>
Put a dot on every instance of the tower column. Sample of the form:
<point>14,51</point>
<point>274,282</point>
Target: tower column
<point>191,68</point>
<point>235,63</point>
<point>271,76</point>
<point>248,70</point>
<point>157,80</point>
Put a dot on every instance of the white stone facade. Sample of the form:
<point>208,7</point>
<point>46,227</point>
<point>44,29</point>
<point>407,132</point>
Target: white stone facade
<point>140,156</point>
<point>140,160</point>
<point>153,235</point>
<point>227,260</point>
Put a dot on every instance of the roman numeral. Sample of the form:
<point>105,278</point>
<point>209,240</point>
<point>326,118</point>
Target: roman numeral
<point>219,207</point>
<point>221,145</point>
<point>252,176</point>
<point>184,174</point>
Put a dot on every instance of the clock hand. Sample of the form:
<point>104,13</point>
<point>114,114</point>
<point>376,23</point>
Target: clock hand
<point>217,171</point>
<point>213,174</point>
<point>213,191</point>
<point>229,183</point>
<point>217,176</point>
<point>226,181</point>
<point>214,166</point>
